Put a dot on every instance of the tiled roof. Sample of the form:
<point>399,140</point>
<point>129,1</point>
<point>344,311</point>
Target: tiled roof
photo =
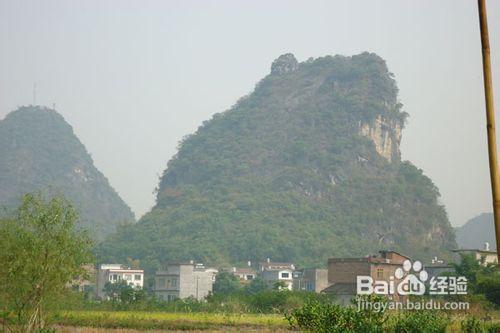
<point>341,289</point>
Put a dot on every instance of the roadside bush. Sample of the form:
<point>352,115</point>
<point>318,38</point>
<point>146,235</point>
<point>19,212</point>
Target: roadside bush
<point>421,321</point>
<point>472,325</point>
<point>492,327</point>
<point>327,317</point>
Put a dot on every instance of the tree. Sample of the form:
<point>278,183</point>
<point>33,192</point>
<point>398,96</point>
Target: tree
<point>280,285</point>
<point>123,292</point>
<point>41,252</point>
<point>468,267</point>
<point>489,285</point>
<point>481,279</point>
<point>226,283</point>
<point>256,286</point>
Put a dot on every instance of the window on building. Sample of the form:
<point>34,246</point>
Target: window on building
<point>161,282</point>
<point>285,275</point>
<point>380,273</point>
<point>250,277</point>
<point>127,277</point>
<point>138,277</point>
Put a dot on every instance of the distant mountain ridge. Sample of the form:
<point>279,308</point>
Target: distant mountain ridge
<point>40,152</point>
<point>304,168</point>
<point>477,231</point>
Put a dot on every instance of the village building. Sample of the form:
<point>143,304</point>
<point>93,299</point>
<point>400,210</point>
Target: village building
<point>310,279</point>
<point>244,274</point>
<point>437,268</point>
<point>343,273</point>
<point>485,256</point>
<point>277,273</point>
<point>184,280</point>
<point>116,273</point>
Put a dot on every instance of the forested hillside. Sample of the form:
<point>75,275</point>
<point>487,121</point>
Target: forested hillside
<point>304,168</point>
<point>40,152</point>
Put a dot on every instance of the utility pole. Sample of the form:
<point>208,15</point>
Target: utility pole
<point>490,120</point>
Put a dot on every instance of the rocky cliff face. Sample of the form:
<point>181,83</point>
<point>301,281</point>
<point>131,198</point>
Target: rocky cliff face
<point>286,63</point>
<point>385,135</point>
<point>305,168</point>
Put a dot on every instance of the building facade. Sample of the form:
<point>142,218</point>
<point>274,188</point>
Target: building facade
<point>183,280</point>
<point>274,273</point>
<point>310,279</point>
<point>343,273</point>
<point>244,274</point>
<point>116,273</point>
<point>485,256</point>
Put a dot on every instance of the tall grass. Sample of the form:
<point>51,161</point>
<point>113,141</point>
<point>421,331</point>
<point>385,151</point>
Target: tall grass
<point>165,320</point>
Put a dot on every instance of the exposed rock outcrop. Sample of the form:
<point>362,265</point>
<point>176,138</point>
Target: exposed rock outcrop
<point>284,64</point>
<point>385,135</point>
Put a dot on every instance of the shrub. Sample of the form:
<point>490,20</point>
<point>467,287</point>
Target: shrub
<point>472,325</point>
<point>419,321</point>
<point>317,316</point>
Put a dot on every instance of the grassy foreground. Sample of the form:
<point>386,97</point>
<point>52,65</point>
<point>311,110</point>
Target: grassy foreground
<point>128,321</point>
<point>167,321</point>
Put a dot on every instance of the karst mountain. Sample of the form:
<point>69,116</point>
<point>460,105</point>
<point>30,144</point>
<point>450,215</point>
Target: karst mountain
<point>39,152</point>
<point>304,168</point>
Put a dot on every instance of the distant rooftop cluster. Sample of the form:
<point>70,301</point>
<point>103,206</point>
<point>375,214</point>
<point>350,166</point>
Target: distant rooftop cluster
<point>180,280</point>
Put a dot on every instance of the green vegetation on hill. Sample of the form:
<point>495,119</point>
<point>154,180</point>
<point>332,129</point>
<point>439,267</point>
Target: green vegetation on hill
<point>304,168</point>
<point>40,152</point>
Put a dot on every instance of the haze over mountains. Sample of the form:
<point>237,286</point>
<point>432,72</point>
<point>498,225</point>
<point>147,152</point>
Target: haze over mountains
<point>304,168</point>
<point>476,232</point>
<point>40,152</point>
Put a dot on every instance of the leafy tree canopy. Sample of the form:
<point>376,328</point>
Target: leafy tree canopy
<point>41,252</point>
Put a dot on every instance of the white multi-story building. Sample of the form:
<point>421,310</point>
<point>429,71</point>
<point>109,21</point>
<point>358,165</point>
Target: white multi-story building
<point>277,272</point>
<point>114,273</point>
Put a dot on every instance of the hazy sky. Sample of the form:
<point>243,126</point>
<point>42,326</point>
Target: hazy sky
<point>134,77</point>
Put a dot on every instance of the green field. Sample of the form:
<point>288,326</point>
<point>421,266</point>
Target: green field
<point>169,321</point>
<point>130,321</point>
